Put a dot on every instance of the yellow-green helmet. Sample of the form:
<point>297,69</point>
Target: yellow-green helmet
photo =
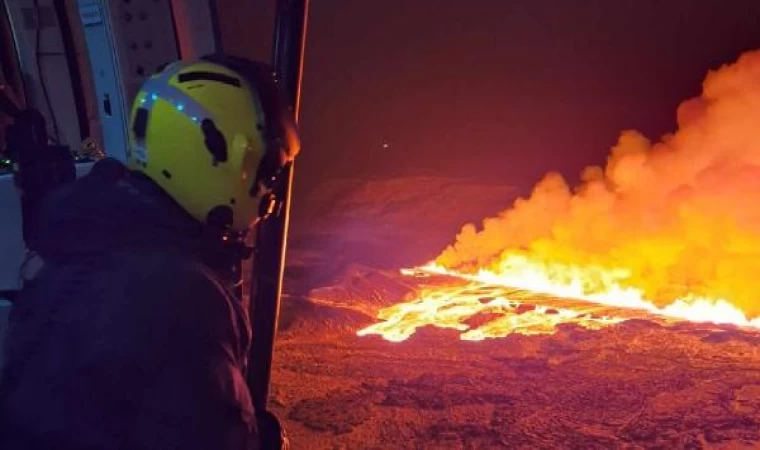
<point>212,133</point>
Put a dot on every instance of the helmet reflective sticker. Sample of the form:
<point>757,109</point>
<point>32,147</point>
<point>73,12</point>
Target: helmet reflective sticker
<point>158,88</point>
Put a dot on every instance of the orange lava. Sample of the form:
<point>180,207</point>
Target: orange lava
<point>493,295</point>
<point>668,227</point>
<point>455,308</point>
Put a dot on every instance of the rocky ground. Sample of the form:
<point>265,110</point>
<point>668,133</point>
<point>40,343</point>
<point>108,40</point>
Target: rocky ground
<point>637,384</point>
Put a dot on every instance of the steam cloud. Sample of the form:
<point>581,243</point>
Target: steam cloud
<point>681,215</point>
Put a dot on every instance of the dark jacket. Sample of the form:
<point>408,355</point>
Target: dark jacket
<point>126,338</point>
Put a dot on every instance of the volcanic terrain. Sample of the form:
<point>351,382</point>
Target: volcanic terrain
<point>642,382</point>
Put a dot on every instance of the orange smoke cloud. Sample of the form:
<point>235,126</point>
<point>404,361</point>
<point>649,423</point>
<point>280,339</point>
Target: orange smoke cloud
<point>676,218</point>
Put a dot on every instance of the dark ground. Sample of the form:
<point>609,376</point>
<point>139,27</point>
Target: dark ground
<point>638,384</point>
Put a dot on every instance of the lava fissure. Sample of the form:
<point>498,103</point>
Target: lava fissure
<point>671,228</point>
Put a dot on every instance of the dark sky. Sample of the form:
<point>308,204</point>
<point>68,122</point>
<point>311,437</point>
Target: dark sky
<point>502,89</point>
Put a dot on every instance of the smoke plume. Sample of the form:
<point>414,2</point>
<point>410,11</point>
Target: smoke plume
<point>679,216</point>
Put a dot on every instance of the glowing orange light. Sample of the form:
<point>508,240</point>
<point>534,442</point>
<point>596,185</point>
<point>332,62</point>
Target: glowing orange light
<point>668,228</point>
<point>452,307</point>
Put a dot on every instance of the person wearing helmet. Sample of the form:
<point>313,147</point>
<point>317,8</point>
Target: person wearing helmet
<point>128,335</point>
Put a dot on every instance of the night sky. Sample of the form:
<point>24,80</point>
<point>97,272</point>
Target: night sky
<point>502,89</point>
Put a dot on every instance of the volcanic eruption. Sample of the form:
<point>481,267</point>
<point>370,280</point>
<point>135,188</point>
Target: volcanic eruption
<point>670,227</point>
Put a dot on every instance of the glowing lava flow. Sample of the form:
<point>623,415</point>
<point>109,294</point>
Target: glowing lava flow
<point>457,308</point>
<point>605,302</point>
<point>667,228</point>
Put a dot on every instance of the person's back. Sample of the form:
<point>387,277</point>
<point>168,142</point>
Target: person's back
<point>125,338</point>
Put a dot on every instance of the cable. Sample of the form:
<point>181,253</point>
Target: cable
<point>38,60</point>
